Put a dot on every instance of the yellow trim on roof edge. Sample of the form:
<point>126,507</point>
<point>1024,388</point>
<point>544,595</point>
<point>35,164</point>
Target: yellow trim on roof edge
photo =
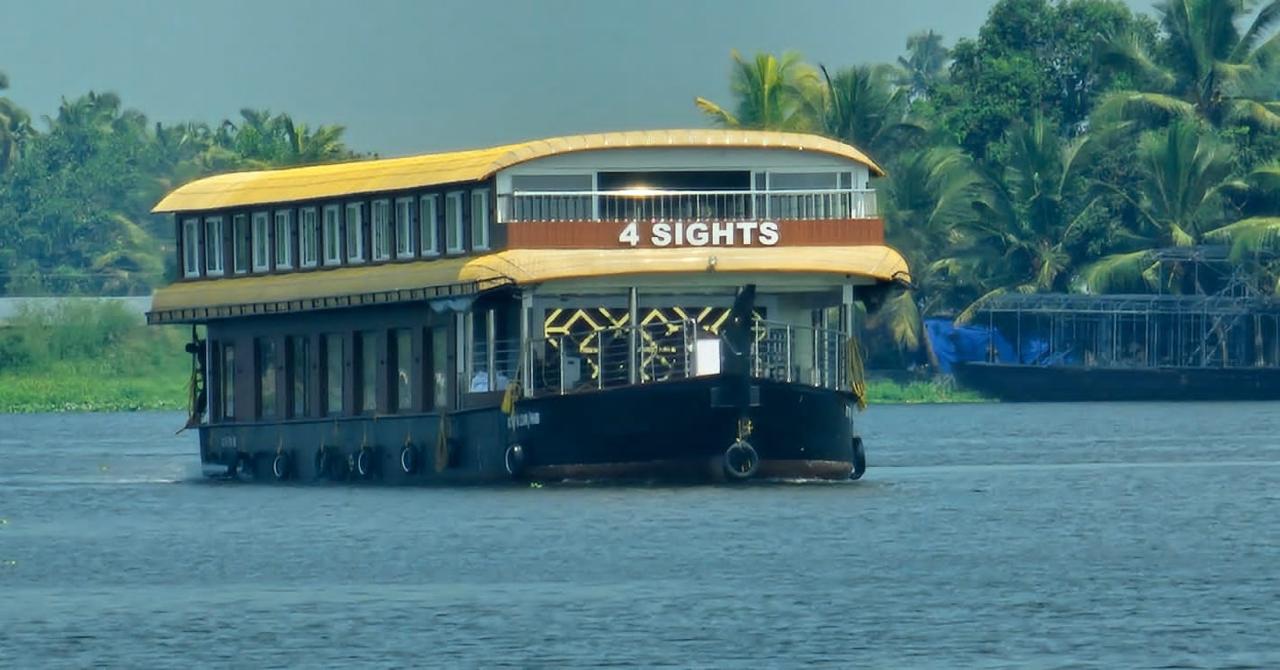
<point>531,266</point>
<point>253,290</point>
<point>528,266</point>
<point>241,189</point>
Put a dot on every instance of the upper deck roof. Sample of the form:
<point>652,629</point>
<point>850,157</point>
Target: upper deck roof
<point>240,189</point>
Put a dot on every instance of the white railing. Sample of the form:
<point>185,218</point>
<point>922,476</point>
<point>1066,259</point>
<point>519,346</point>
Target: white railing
<point>663,205</point>
<point>624,356</point>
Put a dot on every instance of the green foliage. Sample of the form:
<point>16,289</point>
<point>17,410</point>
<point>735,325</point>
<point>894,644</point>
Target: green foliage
<point>75,200</point>
<point>90,356</point>
<point>1058,149</point>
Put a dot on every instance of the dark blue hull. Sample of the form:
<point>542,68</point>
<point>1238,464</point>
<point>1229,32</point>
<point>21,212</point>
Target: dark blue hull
<point>677,430</point>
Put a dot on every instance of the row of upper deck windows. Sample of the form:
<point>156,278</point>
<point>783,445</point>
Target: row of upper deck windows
<point>336,234</point>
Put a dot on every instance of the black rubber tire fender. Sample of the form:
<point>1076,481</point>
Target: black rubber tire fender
<point>281,466</point>
<point>408,459</point>
<point>514,460</point>
<point>859,459</point>
<point>364,462</point>
<point>738,455</point>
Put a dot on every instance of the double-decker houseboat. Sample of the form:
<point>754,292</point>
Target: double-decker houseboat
<point>656,304</point>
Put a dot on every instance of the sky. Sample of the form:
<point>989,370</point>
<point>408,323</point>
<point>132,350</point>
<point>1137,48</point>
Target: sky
<point>412,76</point>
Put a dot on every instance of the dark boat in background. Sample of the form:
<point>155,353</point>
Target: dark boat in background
<point>1221,341</point>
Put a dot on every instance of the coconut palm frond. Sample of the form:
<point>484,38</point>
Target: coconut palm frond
<point>1117,273</point>
<point>1150,109</point>
<point>1248,236</point>
<point>717,113</point>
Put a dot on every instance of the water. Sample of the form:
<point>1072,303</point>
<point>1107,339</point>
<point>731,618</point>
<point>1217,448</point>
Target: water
<point>988,536</point>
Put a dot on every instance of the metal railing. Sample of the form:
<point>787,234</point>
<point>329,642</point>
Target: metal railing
<point>623,356</point>
<point>662,205</point>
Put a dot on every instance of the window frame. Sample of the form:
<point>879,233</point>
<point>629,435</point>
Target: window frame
<point>260,232</point>
<point>402,212</point>
<point>327,341</point>
<point>213,251</point>
<point>431,224</point>
<point>287,247</point>
<point>191,234</point>
<point>227,381</point>
<point>481,197</point>
<point>380,230</point>
<point>456,224</point>
<point>333,243</point>
<point>358,256</point>
<point>240,235</point>
<point>307,237</point>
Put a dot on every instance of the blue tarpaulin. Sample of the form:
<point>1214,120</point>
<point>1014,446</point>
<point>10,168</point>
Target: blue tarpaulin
<point>952,343</point>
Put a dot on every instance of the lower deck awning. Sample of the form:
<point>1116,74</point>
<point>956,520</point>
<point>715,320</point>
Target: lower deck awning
<point>876,263</point>
<point>415,281</point>
<point>205,300</point>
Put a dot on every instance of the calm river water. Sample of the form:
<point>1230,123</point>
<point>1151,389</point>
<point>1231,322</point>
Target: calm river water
<point>1113,536</point>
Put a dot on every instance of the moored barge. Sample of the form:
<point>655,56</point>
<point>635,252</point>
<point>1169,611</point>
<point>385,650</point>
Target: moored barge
<point>655,304</point>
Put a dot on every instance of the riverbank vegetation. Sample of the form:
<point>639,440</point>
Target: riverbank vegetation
<point>90,356</point>
<point>1055,151</point>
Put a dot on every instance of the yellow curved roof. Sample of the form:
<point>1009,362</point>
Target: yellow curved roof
<point>530,266</point>
<point>240,189</point>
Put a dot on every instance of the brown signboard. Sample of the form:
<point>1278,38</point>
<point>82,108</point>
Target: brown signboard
<point>659,234</point>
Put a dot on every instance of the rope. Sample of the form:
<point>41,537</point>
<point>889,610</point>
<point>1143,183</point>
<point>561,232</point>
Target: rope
<point>442,444</point>
<point>857,371</point>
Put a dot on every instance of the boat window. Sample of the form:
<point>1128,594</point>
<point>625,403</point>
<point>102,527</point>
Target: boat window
<point>227,380</point>
<point>266,349</point>
<point>332,235</point>
<point>333,359</point>
<point>261,260</point>
<point>480,219</point>
<point>549,197</point>
<point>809,196</point>
<point>299,375</point>
<point>453,222</point>
<point>400,351</point>
<point>439,343</point>
<point>381,230</point>
<point>404,228</point>
<point>366,376</point>
<point>308,248</point>
<point>240,243</point>
<point>428,226</point>
<point>355,233</point>
<point>191,248</point>
<point>284,240</point>
<point>261,242</point>
<point>213,246</point>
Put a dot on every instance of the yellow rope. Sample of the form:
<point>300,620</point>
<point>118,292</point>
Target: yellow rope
<point>857,371</point>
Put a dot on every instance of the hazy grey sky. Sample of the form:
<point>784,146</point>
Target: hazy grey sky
<point>409,76</point>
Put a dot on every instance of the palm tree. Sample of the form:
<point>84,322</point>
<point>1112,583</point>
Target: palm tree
<point>925,63</point>
<point>863,106</point>
<point>305,146</point>
<point>15,128</point>
<point>1183,168</point>
<point>1207,69</point>
<point>1026,229</point>
<point>770,93</point>
<point>1257,196</point>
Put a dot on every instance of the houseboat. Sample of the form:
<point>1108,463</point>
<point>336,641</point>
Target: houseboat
<point>656,304</point>
<point>1211,332</point>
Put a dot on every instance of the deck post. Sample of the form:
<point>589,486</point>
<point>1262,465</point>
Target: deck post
<point>525,360</point>
<point>491,356</point>
<point>633,337</point>
<point>561,350</point>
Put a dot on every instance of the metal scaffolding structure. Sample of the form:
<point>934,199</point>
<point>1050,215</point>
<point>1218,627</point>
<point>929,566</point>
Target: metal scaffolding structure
<point>1236,326</point>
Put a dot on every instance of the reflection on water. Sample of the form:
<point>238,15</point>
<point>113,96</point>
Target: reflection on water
<point>1019,535</point>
